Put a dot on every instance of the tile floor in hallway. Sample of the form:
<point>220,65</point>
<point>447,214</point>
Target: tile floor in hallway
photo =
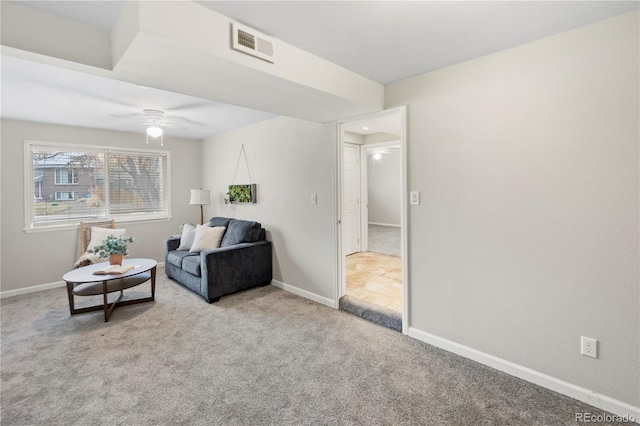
<point>376,278</point>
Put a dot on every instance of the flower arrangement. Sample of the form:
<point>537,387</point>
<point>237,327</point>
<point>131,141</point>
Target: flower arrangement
<point>113,245</point>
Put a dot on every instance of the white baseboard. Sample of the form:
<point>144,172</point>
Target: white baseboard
<point>576,392</point>
<point>31,289</point>
<point>385,224</point>
<point>41,287</point>
<point>304,293</point>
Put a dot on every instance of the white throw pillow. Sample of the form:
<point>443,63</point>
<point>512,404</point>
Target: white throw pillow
<point>188,235</point>
<point>207,238</point>
<point>98,235</point>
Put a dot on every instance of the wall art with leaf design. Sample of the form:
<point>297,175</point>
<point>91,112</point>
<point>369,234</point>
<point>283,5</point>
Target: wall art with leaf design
<point>241,194</point>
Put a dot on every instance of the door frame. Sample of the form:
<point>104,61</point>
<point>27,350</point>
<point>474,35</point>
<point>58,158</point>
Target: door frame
<point>341,278</point>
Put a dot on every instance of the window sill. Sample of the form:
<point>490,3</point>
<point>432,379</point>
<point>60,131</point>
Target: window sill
<point>74,225</point>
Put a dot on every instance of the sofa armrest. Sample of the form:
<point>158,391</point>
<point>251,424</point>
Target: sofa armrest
<point>170,244</point>
<point>233,268</point>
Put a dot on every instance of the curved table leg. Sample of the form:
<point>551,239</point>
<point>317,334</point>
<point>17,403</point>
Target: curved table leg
<point>107,307</point>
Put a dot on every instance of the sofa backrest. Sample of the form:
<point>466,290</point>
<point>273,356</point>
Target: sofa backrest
<point>238,231</point>
<point>219,221</point>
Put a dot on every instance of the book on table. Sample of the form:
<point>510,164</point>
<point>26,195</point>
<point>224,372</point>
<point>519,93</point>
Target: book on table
<point>114,270</point>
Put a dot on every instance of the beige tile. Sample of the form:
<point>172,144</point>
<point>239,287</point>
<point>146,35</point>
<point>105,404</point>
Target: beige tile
<point>378,299</point>
<point>357,292</point>
<point>376,278</point>
<point>396,306</point>
<point>374,286</point>
<point>389,290</point>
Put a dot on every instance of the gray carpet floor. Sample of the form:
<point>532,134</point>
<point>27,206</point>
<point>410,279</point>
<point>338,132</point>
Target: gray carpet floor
<point>371,312</point>
<point>260,357</point>
<point>384,240</point>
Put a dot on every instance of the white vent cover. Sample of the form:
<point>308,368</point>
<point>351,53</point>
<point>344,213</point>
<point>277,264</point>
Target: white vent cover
<point>251,42</point>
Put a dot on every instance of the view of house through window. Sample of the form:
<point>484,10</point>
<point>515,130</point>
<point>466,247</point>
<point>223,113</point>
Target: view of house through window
<point>70,183</point>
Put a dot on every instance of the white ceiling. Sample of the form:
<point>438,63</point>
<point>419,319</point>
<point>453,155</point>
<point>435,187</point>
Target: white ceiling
<point>385,41</point>
<point>380,123</point>
<point>43,93</point>
<point>101,14</point>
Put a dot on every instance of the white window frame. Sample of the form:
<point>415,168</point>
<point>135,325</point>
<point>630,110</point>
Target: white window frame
<point>31,226</point>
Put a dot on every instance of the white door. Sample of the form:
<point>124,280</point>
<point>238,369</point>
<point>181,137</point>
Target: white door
<point>351,199</point>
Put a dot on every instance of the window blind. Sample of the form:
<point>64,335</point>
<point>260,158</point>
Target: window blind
<point>137,182</point>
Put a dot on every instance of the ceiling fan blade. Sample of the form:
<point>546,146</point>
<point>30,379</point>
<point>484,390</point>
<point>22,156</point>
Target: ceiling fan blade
<point>174,126</point>
<point>155,117</point>
<point>135,117</point>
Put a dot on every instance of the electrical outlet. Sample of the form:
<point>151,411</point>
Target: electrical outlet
<point>589,347</point>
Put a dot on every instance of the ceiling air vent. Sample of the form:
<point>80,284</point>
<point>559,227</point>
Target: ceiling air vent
<point>252,42</point>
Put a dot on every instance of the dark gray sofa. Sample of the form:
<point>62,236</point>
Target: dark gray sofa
<point>242,261</point>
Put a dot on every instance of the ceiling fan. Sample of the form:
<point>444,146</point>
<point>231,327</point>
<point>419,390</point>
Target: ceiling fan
<point>155,120</point>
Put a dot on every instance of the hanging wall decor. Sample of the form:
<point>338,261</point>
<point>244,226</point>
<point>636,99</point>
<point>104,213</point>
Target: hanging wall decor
<point>242,193</point>
<point>245,193</point>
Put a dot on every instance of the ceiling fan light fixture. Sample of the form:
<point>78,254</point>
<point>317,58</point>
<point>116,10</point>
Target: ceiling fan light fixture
<point>154,131</point>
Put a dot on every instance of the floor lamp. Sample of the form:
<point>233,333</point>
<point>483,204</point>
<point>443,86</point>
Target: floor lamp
<point>202,197</point>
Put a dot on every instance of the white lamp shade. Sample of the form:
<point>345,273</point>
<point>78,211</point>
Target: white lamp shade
<point>200,196</point>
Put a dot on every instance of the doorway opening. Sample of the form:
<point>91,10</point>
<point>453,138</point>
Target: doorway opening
<point>372,252</point>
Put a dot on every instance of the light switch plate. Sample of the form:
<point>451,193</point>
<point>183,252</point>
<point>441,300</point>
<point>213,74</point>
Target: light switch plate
<point>414,198</point>
<point>314,199</point>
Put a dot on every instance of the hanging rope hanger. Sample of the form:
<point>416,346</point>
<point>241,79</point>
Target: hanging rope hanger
<point>242,152</point>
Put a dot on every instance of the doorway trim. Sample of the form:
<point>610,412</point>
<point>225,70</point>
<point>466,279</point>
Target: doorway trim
<point>341,269</point>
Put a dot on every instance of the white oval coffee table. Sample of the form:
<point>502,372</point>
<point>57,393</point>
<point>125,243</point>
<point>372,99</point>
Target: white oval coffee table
<point>83,282</point>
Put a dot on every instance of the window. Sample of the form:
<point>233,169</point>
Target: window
<point>65,176</point>
<point>103,183</point>
<point>63,196</point>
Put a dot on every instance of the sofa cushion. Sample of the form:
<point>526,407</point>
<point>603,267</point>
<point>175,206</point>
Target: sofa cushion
<point>220,221</point>
<point>241,231</point>
<point>175,257</point>
<point>191,264</point>
<point>207,238</point>
<point>188,236</point>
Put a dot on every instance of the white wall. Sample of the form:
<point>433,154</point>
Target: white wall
<point>527,235</point>
<point>44,257</point>
<point>384,182</point>
<point>289,159</point>
<point>30,29</point>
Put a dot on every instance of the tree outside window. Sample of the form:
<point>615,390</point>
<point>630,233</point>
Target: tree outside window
<point>72,183</point>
